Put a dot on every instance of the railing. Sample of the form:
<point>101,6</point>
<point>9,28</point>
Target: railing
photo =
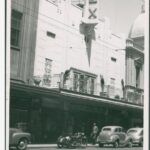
<point>46,81</point>
<point>134,95</point>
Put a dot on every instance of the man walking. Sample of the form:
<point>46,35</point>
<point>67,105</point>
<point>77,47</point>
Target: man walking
<point>94,133</point>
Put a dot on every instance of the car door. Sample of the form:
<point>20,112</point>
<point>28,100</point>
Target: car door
<point>116,132</point>
<point>122,135</point>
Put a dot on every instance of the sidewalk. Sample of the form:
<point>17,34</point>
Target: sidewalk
<point>49,145</point>
<point>41,145</point>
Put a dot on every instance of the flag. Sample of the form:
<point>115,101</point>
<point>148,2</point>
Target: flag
<point>90,12</point>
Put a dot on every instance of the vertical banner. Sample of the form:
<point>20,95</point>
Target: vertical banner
<point>90,12</point>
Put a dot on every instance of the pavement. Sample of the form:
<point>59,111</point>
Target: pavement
<point>50,145</point>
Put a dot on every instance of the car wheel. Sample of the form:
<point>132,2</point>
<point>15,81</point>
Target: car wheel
<point>22,144</point>
<point>116,144</point>
<point>130,144</point>
<point>84,142</point>
<point>60,145</point>
<point>100,145</point>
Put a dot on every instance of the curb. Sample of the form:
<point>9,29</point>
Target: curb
<point>41,145</point>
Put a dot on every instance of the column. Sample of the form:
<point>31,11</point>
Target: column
<point>142,77</point>
<point>68,120</point>
<point>35,120</point>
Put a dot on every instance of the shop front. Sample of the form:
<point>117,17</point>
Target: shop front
<point>47,113</point>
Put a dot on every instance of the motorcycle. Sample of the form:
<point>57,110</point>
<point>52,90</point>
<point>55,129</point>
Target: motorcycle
<point>77,140</point>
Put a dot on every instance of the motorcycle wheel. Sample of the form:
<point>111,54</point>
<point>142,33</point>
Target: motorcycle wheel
<point>60,145</point>
<point>84,143</point>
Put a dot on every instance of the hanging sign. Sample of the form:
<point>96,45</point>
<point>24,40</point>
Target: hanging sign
<point>90,12</point>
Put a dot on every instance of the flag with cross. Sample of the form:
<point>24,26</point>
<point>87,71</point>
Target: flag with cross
<point>90,12</point>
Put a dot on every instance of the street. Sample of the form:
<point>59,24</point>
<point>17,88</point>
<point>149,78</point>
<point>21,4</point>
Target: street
<point>87,148</point>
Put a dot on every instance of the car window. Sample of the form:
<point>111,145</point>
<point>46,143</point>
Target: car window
<point>132,131</point>
<point>120,129</point>
<point>116,130</point>
<point>106,129</point>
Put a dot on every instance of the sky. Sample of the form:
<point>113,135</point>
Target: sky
<point>121,13</point>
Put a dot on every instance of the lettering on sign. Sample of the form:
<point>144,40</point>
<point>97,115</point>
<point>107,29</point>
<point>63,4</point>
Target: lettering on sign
<point>92,13</point>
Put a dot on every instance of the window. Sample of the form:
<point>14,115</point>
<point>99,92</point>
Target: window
<point>106,129</point>
<point>50,34</point>
<point>16,18</point>
<point>112,81</point>
<point>116,130</point>
<point>83,82</point>
<point>132,131</point>
<point>92,1</point>
<point>75,82</point>
<point>113,59</point>
<point>120,129</point>
<point>137,76</point>
<point>47,74</point>
<point>92,86</point>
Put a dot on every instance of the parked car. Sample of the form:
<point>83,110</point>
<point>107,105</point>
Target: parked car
<point>19,139</point>
<point>137,135</point>
<point>114,135</point>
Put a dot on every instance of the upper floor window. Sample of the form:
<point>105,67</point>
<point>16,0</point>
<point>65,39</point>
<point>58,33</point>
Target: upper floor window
<point>112,81</point>
<point>16,18</point>
<point>137,76</point>
<point>47,73</point>
<point>113,59</point>
<point>92,1</point>
<point>82,82</point>
<point>50,34</point>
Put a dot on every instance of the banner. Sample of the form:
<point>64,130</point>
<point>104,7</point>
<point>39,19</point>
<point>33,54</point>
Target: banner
<point>90,12</point>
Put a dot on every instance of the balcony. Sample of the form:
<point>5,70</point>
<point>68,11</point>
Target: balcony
<point>134,95</point>
<point>46,81</point>
<point>86,84</point>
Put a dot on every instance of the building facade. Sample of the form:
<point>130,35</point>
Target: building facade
<point>65,73</point>
<point>135,60</point>
<point>62,44</point>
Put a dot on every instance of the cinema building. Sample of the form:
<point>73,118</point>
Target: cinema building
<point>69,70</point>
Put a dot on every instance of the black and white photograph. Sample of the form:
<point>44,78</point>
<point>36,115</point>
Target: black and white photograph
<point>75,74</point>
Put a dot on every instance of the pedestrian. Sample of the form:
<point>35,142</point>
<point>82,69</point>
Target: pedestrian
<point>94,133</point>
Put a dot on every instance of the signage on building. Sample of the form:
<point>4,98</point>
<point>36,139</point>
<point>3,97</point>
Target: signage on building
<point>90,12</point>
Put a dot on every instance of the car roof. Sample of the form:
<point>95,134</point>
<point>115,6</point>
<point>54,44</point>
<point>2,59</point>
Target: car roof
<point>112,127</point>
<point>137,128</point>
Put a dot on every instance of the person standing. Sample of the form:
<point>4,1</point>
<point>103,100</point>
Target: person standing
<point>94,133</point>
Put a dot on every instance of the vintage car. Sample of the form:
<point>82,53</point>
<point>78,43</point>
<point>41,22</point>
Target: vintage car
<point>19,139</point>
<point>137,135</point>
<point>115,136</point>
